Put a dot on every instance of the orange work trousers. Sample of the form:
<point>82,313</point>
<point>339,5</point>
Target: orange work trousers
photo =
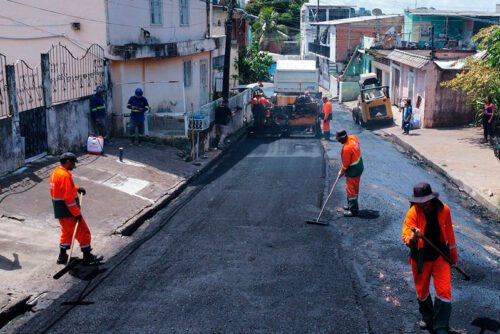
<point>326,125</point>
<point>68,227</point>
<point>440,271</point>
<point>352,187</point>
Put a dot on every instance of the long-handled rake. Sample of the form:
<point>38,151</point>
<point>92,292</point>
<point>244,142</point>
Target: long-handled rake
<point>72,262</point>
<point>317,221</point>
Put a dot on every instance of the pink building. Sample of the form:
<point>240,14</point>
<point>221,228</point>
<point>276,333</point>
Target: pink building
<point>418,74</point>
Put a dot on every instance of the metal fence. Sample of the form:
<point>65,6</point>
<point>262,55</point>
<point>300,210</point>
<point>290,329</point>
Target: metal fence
<point>4,96</point>
<point>72,77</point>
<point>28,86</point>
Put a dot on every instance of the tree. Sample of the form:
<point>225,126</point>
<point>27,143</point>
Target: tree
<point>481,76</point>
<point>268,30</point>
<point>253,65</point>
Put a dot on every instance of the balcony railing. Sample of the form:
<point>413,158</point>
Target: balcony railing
<point>319,49</point>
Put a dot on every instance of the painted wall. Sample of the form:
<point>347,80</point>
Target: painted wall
<point>416,29</point>
<point>156,78</point>
<point>28,31</point>
<point>127,19</point>
<point>444,106</point>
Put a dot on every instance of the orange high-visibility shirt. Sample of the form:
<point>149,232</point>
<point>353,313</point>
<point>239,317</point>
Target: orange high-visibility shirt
<point>327,110</point>
<point>64,193</point>
<point>416,218</point>
<point>352,164</point>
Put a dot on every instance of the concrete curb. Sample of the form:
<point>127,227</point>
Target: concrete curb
<point>467,189</point>
<point>133,223</point>
<point>14,308</point>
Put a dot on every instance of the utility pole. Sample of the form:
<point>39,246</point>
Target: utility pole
<point>227,52</point>
<point>432,37</point>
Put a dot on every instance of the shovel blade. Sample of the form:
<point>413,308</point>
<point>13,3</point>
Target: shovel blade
<point>72,263</point>
<point>316,222</point>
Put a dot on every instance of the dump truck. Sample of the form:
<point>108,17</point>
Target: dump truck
<point>292,110</point>
<point>374,103</point>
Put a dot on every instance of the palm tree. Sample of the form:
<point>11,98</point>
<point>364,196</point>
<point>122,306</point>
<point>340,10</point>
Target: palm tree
<point>271,34</point>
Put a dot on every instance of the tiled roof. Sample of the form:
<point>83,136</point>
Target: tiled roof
<point>416,60</point>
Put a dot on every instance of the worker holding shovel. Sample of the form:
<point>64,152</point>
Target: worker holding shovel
<point>64,193</point>
<point>428,232</point>
<point>352,168</point>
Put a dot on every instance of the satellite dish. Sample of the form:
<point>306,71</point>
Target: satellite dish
<point>377,12</point>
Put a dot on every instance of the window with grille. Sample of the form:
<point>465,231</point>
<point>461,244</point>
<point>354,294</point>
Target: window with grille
<point>188,73</point>
<point>156,11</point>
<point>184,5</point>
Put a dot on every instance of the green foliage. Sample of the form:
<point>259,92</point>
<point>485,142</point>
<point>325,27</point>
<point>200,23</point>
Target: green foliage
<point>481,78</point>
<point>253,65</point>
<point>489,40</point>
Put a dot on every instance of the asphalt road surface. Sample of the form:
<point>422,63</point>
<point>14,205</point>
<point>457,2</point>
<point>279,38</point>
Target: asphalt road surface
<point>234,255</point>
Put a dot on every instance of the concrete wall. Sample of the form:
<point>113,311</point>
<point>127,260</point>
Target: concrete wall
<point>162,83</point>
<point>29,31</point>
<point>348,91</point>
<point>69,126</point>
<point>444,106</point>
<point>11,148</point>
<point>128,17</point>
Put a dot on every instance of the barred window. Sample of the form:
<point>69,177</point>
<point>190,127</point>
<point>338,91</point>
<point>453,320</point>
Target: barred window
<point>156,7</point>
<point>218,62</point>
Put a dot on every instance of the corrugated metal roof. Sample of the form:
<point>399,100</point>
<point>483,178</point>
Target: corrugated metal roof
<point>457,64</point>
<point>354,20</point>
<point>452,13</point>
<point>416,60</point>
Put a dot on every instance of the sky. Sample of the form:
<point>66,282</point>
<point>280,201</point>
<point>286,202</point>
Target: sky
<point>396,6</point>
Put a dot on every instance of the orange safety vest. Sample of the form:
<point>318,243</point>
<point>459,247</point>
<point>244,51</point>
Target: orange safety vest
<point>416,218</point>
<point>327,110</point>
<point>64,193</point>
<point>352,163</point>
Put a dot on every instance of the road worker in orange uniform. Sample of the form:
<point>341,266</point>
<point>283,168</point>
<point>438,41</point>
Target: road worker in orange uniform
<point>352,168</point>
<point>327,117</point>
<point>64,193</point>
<point>430,217</point>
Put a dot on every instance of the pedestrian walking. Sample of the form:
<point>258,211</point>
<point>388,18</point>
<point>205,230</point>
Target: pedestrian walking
<point>223,116</point>
<point>327,117</point>
<point>352,168</point>
<point>98,112</point>
<point>488,113</point>
<point>64,193</point>
<point>430,217</point>
<point>407,114</point>
<point>138,105</point>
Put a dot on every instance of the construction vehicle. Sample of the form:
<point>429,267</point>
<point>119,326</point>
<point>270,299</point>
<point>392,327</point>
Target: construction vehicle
<point>296,101</point>
<point>374,103</point>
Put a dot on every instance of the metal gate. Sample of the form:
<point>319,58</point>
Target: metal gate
<point>33,127</point>
<point>32,112</point>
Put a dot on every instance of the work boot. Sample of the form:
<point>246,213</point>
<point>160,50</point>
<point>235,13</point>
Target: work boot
<point>426,309</point>
<point>63,257</point>
<point>89,258</point>
<point>442,312</point>
<point>345,207</point>
<point>350,213</point>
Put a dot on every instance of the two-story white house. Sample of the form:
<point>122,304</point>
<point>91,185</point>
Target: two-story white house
<point>319,11</point>
<point>164,47</point>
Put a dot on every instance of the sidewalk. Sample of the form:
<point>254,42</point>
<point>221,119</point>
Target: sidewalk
<point>457,153</point>
<point>119,195</point>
